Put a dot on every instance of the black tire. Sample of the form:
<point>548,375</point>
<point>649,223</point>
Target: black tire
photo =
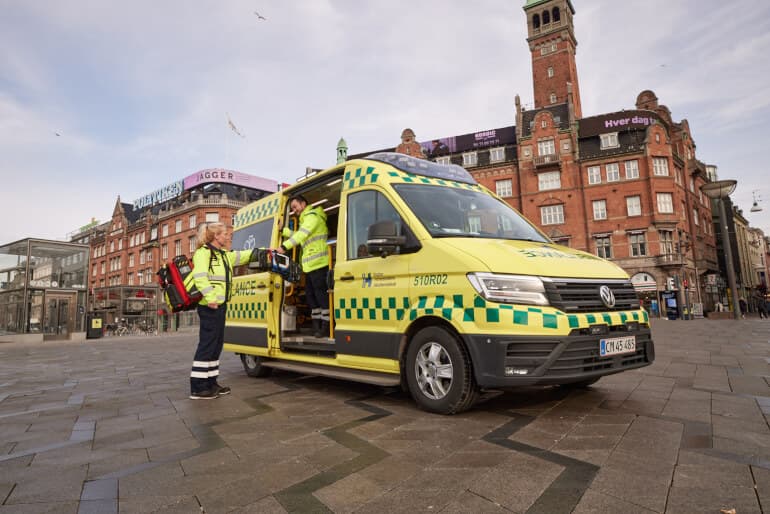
<point>438,372</point>
<point>253,366</point>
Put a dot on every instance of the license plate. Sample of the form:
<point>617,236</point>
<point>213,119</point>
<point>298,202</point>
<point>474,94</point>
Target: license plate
<point>617,346</point>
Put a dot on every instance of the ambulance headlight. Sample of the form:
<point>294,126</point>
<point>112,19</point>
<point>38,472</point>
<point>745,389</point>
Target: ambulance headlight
<point>509,288</point>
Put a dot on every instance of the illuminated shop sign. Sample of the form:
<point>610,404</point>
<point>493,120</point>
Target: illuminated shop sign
<point>160,195</point>
<point>229,177</point>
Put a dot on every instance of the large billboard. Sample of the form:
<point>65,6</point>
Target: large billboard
<point>469,142</point>
<point>219,175</point>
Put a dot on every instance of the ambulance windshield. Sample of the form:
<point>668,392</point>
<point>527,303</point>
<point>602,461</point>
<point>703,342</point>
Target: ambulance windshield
<point>454,212</point>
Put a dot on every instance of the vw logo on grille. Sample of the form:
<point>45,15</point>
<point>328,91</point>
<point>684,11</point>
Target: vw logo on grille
<point>608,298</point>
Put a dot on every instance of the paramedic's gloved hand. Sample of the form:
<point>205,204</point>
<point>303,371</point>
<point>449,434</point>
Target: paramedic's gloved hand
<point>280,250</point>
<point>213,305</point>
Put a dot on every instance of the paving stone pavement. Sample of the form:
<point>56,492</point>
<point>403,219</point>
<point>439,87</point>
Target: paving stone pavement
<point>106,426</point>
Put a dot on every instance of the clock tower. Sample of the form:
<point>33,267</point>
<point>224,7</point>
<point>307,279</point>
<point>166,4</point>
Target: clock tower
<point>551,38</point>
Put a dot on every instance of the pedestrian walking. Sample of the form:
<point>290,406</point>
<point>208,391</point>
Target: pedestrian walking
<point>213,276</point>
<point>760,303</point>
<point>742,304</point>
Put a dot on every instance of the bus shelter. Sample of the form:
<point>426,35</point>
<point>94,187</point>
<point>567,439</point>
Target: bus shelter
<point>42,290</point>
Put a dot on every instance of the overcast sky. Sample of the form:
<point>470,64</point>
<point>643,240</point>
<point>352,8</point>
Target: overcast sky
<point>139,92</point>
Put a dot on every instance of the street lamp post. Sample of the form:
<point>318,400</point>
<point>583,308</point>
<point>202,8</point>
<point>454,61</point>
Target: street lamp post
<point>720,190</point>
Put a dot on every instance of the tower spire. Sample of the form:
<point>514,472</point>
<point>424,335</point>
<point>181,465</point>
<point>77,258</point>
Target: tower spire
<point>552,43</point>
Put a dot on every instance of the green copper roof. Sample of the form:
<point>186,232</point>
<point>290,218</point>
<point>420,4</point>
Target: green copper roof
<point>531,3</point>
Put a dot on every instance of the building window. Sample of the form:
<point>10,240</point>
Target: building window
<point>667,242</point>
<point>600,209</point>
<point>504,188</point>
<point>104,266</point>
<point>536,21</point>
<point>553,98</point>
<point>192,245</point>
<point>120,244</point>
<point>141,257</point>
<point>93,270</point>
<point>193,221</point>
<point>550,72</point>
<point>549,180</point>
<point>665,203</point>
<point>594,175</point>
<point>613,172</point>
<point>638,245</point>
<point>556,14</point>
<point>130,260</point>
<point>112,246</point>
<point>678,176</point>
<point>497,154</point>
<point>212,217</point>
<point>657,138</point>
<point>144,234</point>
<point>692,185</point>
<point>164,230</point>
<point>178,227</point>
<point>470,159</point>
<point>552,215</point>
<point>546,147</point>
<point>131,241</point>
<point>609,140</point>
<point>632,169</point>
<point>695,216</point>
<point>634,206</point>
<point>164,251</point>
<point>153,234</point>
<point>546,17</point>
<point>603,247</point>
<point>444,160</point>
<point>178,247</point>
<point>700,197</point>
<point>660,166</point>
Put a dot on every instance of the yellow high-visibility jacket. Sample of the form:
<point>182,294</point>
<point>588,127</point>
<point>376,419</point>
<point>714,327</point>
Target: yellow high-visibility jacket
<point>211,280</point>
<point>311,235</point>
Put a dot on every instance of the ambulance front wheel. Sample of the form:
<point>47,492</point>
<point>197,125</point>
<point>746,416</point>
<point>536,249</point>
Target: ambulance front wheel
<point>438,372</point>
<point>253,366</point>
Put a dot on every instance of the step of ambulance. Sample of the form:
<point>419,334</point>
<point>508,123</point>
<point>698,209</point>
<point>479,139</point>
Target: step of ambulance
<point>319,345</point>
<point>367,377</point>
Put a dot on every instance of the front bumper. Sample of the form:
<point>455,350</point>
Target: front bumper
<point>544,360</point>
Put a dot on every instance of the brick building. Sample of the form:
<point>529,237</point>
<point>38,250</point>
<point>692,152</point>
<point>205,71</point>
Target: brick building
<point>623,185</point>
<point>127,250</point>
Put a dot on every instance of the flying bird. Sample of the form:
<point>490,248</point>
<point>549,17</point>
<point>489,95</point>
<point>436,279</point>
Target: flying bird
<point>233,127</point>
<point>57,134</point>
<point>259,16</point>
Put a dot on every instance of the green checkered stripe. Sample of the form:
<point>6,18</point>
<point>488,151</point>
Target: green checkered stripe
<point>411,178</point>
<point>474,310</point>
<point>360,177</point>
<point>256,212</point>
<point>247,311</point>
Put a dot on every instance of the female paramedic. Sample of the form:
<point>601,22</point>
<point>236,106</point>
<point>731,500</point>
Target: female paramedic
<point>213,277</point>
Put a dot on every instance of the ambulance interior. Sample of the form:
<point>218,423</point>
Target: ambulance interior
<point>296,324</point>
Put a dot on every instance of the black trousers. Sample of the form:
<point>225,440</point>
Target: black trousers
<point>205,369</point>
<point>317,293</point>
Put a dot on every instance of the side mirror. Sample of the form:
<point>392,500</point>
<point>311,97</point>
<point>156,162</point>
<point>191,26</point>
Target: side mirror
<point>383,239</point>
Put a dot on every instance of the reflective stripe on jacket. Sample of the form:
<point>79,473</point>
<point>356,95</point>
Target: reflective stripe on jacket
<point>211,281</point>
<point>312,236</point>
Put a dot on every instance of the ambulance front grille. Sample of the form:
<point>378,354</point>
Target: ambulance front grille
<point>574,296</point>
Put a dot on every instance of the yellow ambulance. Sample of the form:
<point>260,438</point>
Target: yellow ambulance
<point>436,285</point>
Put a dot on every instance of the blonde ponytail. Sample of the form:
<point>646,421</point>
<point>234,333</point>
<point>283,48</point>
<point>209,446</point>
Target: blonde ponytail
<point>207,232</point>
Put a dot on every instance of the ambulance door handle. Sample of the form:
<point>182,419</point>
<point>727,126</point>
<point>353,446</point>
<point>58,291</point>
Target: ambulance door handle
<point>347,277</point>
<point>261,286</point>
